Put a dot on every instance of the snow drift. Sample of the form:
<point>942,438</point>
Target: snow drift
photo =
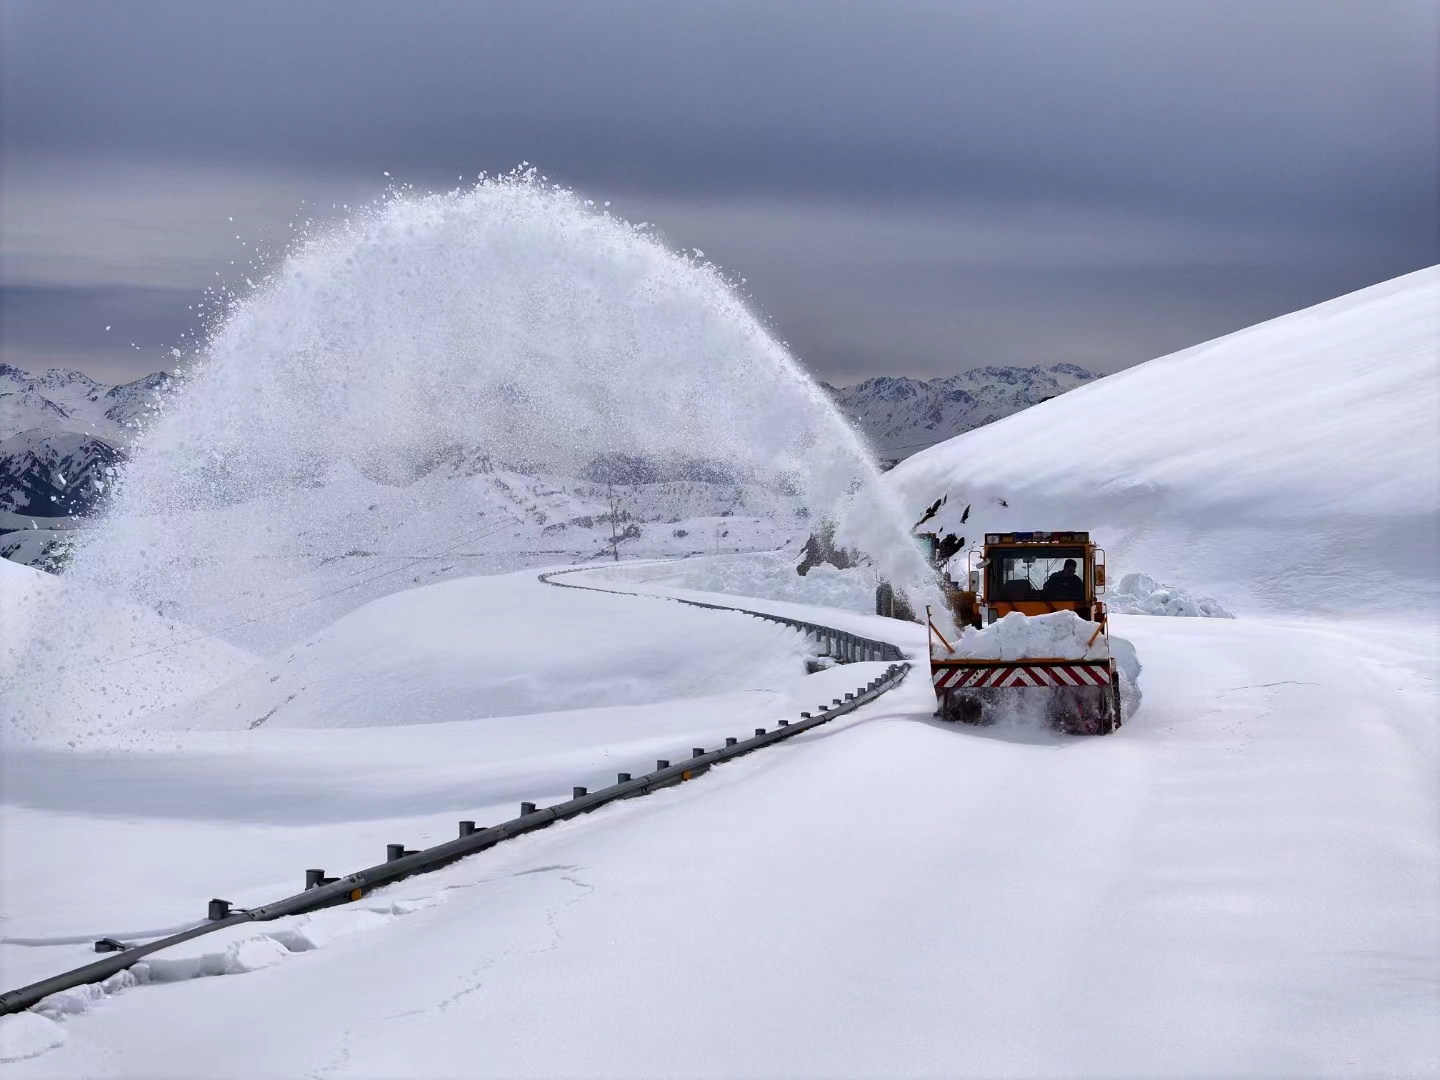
<point>1294,465</point>
<point>501,646</point>
<point>76,663</point>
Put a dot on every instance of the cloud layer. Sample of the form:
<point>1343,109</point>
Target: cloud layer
<point>905,186</point>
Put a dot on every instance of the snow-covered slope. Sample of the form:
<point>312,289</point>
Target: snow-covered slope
<point>900,416</point>
<point>104,661</point>
<point>500,646</point>
<point>1292,466</point>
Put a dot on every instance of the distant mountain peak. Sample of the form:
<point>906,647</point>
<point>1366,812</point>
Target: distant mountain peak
<point>901,416</point>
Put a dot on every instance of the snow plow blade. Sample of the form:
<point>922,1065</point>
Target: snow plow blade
<point>1081,697</point>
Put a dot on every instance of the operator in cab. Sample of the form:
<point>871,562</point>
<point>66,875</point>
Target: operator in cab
<point>1064,584</point>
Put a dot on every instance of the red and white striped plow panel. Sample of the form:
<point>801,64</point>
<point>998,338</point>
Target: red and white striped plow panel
<point>1079,674</point>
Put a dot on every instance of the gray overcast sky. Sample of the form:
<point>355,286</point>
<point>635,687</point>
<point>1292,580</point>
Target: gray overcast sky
<point>909,188</point>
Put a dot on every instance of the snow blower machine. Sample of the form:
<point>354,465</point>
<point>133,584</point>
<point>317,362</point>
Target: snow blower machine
<point>1015,646</point>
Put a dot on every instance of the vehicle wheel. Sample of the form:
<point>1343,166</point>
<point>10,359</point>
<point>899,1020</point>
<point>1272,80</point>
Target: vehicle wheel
<point>959,708</point>
<point>1080,710</point>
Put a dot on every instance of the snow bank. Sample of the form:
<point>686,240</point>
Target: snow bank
<point>1060,635</point>
<point>767,574</point>
<point>77,663</point>
<point>1292,466</point>
<point>1140,594</point>
<point>500,646</point>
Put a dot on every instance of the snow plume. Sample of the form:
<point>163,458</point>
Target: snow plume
<point>511,329</point>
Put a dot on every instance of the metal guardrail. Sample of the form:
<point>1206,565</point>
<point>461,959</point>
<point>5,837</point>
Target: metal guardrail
<point>321,891</point>
<point>841,644</point>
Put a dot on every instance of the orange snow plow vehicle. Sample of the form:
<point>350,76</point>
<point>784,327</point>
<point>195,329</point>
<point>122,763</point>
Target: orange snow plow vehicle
<point>1011,583</point>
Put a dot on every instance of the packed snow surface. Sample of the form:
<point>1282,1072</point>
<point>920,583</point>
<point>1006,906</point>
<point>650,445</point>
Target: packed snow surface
<point>1291,466</point>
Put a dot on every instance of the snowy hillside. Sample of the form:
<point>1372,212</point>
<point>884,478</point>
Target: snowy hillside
<point>901,416</point>
<point>1292,466</point>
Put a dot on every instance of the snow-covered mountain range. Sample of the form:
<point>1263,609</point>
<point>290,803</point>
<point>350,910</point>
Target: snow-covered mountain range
<point>62,435</point>
<point>901,416</point>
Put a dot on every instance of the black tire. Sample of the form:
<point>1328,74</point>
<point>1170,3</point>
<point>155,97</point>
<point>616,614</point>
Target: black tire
<point>958,708</point>
<point>1080,710</point>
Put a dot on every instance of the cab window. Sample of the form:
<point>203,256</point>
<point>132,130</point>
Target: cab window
<point>1037,574</point>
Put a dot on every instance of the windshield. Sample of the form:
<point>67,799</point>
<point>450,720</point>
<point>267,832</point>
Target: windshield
<point>1037,574</point>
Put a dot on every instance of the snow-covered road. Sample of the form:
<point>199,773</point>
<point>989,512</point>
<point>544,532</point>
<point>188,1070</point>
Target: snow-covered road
<point>1242,881</point>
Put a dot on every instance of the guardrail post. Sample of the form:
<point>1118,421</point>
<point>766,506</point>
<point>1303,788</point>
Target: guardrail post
<point>219,909</point>
<point>527,808</point>
<point>577,793</point>
<point>698,751</point>
<point>661,764</point>
<point>730,741</point>
<point>759,731</point>
<point>622,778</point>
<point>467,828</point>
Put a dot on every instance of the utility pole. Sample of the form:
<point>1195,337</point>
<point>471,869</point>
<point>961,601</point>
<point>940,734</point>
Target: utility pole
<point>614,514</point>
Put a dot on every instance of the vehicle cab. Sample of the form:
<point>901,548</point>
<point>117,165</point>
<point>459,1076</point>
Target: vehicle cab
<point>1033,573</point>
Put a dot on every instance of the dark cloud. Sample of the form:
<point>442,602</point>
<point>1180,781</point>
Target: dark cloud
<point>1261,156</point>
